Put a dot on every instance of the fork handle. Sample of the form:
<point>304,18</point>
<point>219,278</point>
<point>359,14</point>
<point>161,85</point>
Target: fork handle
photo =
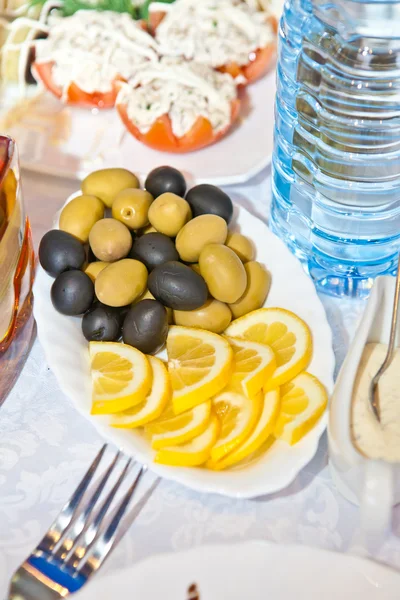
<point>29,585</point>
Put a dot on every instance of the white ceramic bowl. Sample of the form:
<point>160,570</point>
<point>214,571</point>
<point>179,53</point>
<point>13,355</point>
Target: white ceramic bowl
<point>373,484</point>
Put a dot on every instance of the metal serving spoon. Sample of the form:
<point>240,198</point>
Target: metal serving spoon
<point>373,388</point>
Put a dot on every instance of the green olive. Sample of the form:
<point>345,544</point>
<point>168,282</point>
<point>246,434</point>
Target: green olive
<point>121,283</point>
<point>258,284</point>
<point>149,296</point>
<point>195,267</point>
<point>131,207</point>
<point>110,240</point>
<point>107,183</point>
<point>79,216</point>
<point>223,272</point>
<point>94,268</point>
<point>214,316</point>
<point>240,244</point>
<point>148,229</point>
<point>197,233</point>
<point>169,213</point>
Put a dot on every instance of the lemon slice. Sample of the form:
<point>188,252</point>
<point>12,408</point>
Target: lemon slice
<point>238,416</point>
<point>178,429</point>
<point>121,377</point>
<point>303,401</point>
<point>154,403</point>
<point>199,364</point>
<point>193,453</point>
<point>288,336</point>
<point>253,364</point>
<point>257,439</point>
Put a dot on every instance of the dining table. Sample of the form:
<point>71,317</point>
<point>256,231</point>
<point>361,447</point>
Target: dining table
<point>46,446</point>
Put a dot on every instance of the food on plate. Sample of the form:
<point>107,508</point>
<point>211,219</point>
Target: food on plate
<point>377,440</point>
<point>198,233</point>
<point>121,283</point>
<point>260,434</point>
<point>223,272</point>
<point>177,286</point>
<point>131,207</point>
<point>146,326</point>
<point>155,402</point>
<point>178,106</point>
<point>200,365</point>
<point>254,364</point>
<point>107,183</point>
<point>79,216</point>
<point>94,268</point>
<point>169,213</point>
<point>154,249</point>
<point>72,293</point>
<point>256,292</point>
<point>165,179</point>
<point>171,428</point>
<point>85,55</point>
<point>206,199</point>
<point>121,375</point>
<point>287,334</point>
<point>228,389</point>
<point>242,246</point>
<point>303,401</point>
<point>221,35</point>
<point>102,323</point>
<point>110,240</point>
<point>214,316</point>
<point>60,251</point>
<point>193,453</point>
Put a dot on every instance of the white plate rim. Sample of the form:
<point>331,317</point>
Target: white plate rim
<point>180,475</point>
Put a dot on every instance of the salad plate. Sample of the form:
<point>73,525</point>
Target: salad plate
<point>241,571</point>
<point>54,139</point>
<point>67,354</point>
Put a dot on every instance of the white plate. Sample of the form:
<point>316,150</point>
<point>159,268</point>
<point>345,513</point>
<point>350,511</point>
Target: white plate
<point>67,355</point>
<point>71,142</point>
<point>249,571</point>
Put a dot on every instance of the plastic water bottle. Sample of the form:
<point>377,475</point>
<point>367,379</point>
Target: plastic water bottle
<point>336,164</point>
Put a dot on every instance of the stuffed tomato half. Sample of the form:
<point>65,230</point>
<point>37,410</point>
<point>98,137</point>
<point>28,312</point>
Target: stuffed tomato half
<point>178,107</point>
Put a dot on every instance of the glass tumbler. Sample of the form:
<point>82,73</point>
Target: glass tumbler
<point>16,271</point>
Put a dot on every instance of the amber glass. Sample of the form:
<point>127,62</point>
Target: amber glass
<point>16,271</point>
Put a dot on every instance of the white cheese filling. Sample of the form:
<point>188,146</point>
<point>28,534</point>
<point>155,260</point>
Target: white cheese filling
<point>93,48</point>
<point>213,32</point>
<point>183,91</point>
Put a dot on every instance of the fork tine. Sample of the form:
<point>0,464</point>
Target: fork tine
<point>103,542</point>
<point>64,518</point>
<point>82,544</point>
<point>71,534</point>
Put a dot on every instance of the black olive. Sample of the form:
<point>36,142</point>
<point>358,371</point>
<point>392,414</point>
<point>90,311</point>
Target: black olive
<point>146,326</point>
<point>72,293</point>
<point>165,179</point>
<point>60,251</point>
<point>206,199</point>
<point>102,323</point>
<point>178,286</point>
<point>154,249</point>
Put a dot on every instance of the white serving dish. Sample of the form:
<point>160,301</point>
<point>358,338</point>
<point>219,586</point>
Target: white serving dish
<point>254,571</point>
<point>373,484</point>
<point>63,141</point>
<point>68,357</point>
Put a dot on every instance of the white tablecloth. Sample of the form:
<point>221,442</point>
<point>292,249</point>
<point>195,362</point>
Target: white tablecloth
<point>46,446</point>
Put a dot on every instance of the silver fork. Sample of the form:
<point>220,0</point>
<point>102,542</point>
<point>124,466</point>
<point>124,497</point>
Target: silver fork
<point>81,537</point>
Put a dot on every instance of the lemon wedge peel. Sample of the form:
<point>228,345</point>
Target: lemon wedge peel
<point>200,365</point>
<point>254,364</point>
<point>121,377</point>
<point>179,429</point>
<point>153,405</point>
<point>303,402</point>
<point>194,453</point>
